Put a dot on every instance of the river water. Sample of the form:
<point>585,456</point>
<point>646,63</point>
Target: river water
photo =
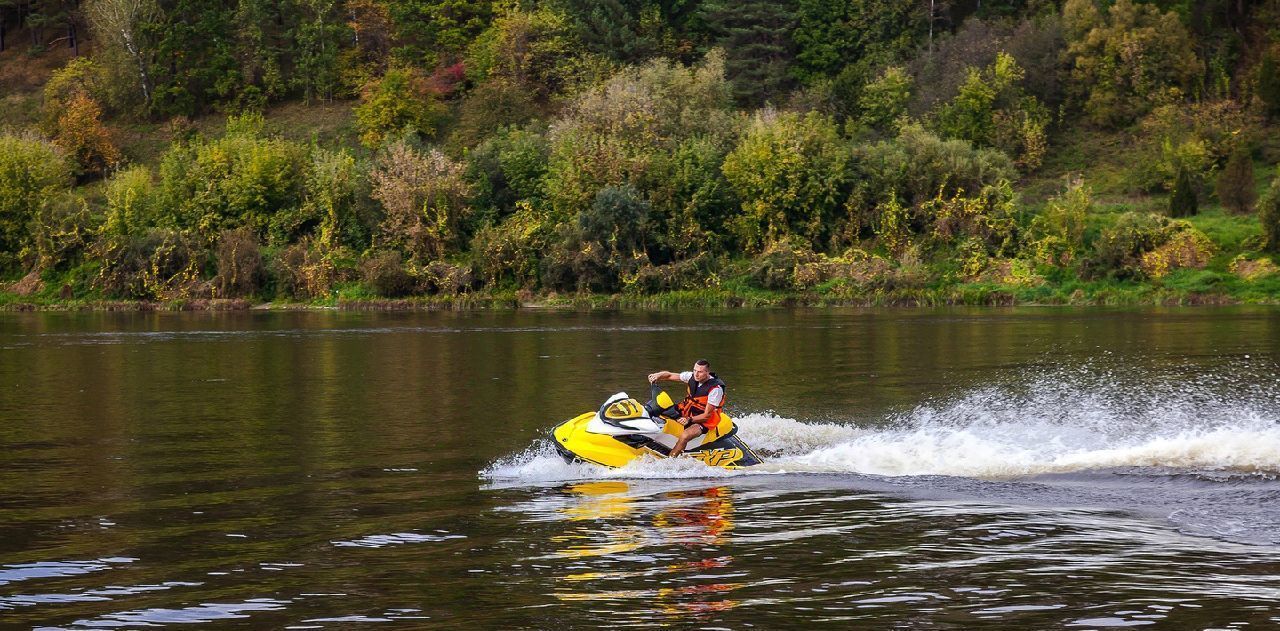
<point>925,469</point>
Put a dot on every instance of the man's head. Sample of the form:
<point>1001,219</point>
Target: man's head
<point>701,370</point>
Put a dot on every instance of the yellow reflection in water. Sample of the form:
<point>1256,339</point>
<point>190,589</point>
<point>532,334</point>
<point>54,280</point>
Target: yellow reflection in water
<point>690,519</point>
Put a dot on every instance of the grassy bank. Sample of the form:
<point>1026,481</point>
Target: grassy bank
<point>1179,289</point>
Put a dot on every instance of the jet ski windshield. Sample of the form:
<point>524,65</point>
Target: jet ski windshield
<point>621,411</point>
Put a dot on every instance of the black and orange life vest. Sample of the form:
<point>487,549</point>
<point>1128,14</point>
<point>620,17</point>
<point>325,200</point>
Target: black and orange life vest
<point>695,401</point>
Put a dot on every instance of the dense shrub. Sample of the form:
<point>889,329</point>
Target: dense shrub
<point>884,100</point>
<point>335,202</point>
<point>576,263</point>
<point>694,273</point>
<point>1269,215</point>
<point>132,205</point>
<point>424,199</point>
<point>692,201</point>
<point>1235,186</point>
<point>31,169</point>
<point>399,102</point>
<point>612,134</point>
<point>617,220</point>
<point>385,274</point>
<point>442,277</point>
<point>790,171</point>
<point>775,267</point>
<point>918,166</point>
<point>507,254</point>
<point>1183,200</point>
<point>160,263</point>
<point>985,218</point>
<point>502,170</point>
<point>63,230</point>
<point>303,272</point>
<point>1186,249</point>
<point>239,261</point>
<point>1057,232</point>
<point>1124,249</point>
<point>243,178</point>
<point>1128,58</point>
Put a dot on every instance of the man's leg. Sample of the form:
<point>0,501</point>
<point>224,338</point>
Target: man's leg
<point>692,431</point>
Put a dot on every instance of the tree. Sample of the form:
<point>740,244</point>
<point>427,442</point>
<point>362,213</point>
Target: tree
<point>319,36</point>
<point>535,50</point>
<point>83,136</point>
<point>243,178</point>
<point>884,100</point>
<point>31,169</point>
<point>1269,215</point>
<point>1235,183</point>
<point>1269,84</point>
<point>790,173</point>
<point>756,38</point>
<point>424,198</point>
<point>436,31</point>
<point>119,24</point>
<point>617,219</point>
<point>401,101</point>
<point>1129,59</point>
<point>992,110</point>
<point>866,35</point>
<point>195,65</point>
<point>1183,200</point>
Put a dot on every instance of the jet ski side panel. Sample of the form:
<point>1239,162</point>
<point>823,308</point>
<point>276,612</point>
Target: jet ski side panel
<point>573,441</point>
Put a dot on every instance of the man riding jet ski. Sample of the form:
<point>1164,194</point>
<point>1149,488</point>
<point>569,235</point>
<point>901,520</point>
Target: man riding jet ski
<point>623,429</point>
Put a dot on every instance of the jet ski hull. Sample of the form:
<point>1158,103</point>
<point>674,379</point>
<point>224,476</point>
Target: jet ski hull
<point>720,448</point>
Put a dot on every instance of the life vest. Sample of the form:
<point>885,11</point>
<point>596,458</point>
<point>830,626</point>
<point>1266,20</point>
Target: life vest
<point>695,402</point>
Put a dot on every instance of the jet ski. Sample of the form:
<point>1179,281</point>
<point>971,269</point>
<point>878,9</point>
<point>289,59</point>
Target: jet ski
<point>623,429</point>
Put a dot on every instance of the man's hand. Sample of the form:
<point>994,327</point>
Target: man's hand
<point>654,376</point>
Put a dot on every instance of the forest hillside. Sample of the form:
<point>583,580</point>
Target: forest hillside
<point>462,152</point>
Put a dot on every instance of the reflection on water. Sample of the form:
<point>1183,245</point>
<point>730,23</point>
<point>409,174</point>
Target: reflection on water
<point>692,520</point>
<point>1019,469</point>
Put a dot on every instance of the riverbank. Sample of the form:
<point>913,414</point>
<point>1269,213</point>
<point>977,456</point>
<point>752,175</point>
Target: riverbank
<point>1207,290</point>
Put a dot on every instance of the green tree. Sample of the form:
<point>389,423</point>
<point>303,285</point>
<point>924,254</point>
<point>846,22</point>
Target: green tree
<point>1235,186</point>
<point>617,219</point>
<point>119,25</point>
<point>243,178</point>
<point>435,31</point>
<point>992,110</point>
<point>756,38</point>
<point>613,134</point>
<point>1183,200</point>
<point>194,65</point>
<point>319,38</point>
<point>884,100</point>
<point>1268,77</point>
<point>863,35</point>
<point>1128,59</point>
<point>31,169</point>
<point>790,172</point>
<point>535,50</point>
<point>132,206</point>
<point>399,102</point>
<point>1269,215</point>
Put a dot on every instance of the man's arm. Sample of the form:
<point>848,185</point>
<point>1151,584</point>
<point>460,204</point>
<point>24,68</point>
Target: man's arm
<point>663,375</point>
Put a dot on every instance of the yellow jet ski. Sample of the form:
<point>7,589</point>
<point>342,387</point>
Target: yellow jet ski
<point>623,429</point>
